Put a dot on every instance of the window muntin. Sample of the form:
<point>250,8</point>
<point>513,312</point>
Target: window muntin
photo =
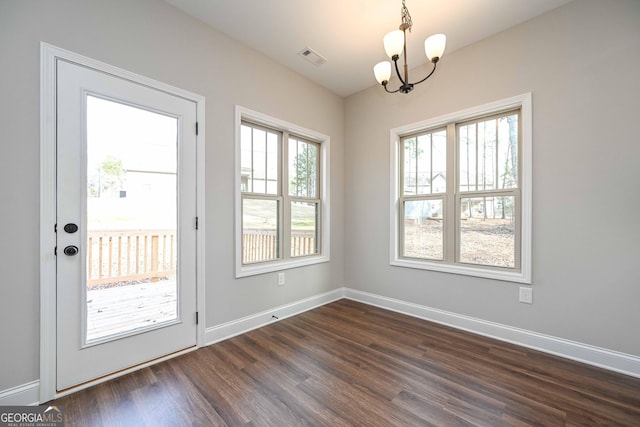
<point>476,222</point>
<point>280,200</point>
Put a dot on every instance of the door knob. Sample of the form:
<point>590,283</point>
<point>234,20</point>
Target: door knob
<point>70,228</point>
<point>71,250</point>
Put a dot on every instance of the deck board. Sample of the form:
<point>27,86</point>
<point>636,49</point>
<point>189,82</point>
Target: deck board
<point>121,308</point>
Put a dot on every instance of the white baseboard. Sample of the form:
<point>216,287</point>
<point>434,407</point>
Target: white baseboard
<point>596,356</point>
<point>22,395</point>
<point>236,327</point>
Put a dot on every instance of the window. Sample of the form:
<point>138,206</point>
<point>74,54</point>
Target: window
<point>461,192</point>
<point>282,219</point>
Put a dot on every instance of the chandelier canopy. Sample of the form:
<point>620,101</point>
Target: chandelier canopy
<point>395,43</point>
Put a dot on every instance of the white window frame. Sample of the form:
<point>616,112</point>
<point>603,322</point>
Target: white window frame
<point>324,232</point>
<point>523,275</point>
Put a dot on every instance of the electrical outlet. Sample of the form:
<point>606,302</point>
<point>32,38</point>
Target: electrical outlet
<point>280,279</point>
<point>526,295</point>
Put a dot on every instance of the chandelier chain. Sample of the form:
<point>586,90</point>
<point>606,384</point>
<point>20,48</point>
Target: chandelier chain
<point>406,17</point>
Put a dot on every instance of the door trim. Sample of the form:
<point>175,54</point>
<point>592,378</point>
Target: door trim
<point>49,55</point>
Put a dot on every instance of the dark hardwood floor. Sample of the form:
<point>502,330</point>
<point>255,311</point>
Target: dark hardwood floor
<point>350,364</point>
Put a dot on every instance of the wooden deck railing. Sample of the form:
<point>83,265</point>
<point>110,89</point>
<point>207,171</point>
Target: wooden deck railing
<point>261,245</point>
<point>126,255</point>
<point>303,242</point>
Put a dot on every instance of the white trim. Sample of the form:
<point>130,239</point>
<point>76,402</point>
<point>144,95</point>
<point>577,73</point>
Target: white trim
<point>47,220</point>
<point>603,358</point>
<point>325,145</point>
<point>201,233</point>
<point>49,55</point>
<point>240,326</point>
<point>524,275</point>
<point>22,395</point>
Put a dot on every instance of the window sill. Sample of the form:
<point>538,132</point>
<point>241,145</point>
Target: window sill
<point>268,267</point>
<point>508,276</point>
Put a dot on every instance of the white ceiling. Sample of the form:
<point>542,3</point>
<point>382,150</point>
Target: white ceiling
<point>348,33</point>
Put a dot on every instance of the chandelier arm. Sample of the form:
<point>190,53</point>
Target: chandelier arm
<point>428,75</point>
<point>395,62</point>
<point>390,91</point>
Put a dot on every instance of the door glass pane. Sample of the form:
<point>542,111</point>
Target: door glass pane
<point>487,231</point>
<point>423,229</point>
<point>304,228</point>
<point>131,219</point>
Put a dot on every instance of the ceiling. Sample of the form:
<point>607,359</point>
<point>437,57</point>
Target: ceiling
<point>348,33</point>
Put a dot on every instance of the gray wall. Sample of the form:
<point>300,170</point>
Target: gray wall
<point>151,38</point>
<point>581,64</point>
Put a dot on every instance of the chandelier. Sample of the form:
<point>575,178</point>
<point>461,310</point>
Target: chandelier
<point>395,43</point>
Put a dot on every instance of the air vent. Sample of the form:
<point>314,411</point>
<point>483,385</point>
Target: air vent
<point>312,56</point>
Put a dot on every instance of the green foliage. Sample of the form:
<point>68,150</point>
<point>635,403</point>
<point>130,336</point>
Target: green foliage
<point>305,166</point>
<point>109,177</point>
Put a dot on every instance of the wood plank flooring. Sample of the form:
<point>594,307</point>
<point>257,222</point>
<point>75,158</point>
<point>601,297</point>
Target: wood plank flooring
<point>350,364</point>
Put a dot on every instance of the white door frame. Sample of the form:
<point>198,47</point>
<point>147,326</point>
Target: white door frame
<point>49,55</point>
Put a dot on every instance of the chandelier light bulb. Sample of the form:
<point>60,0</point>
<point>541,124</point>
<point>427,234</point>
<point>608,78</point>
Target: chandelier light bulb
<point>434,46</point>
<point>382,71</point>
<point>394,43</point>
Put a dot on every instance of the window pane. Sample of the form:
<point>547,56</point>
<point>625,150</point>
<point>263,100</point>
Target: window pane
<point>245,159</point>
<point>423,229</point>
<point>259,230</point>
<point>304,228</point>
<point>467,154</point>
<point>487,231</point>
<point>409,156</point>
<point>425,163</point>
<point>303,168</point>
<point>486,155</point>
<point>258,160</point>
<point>489,154</point>
<point>508,152</point>
<point>272,163</point>
<point>439,162</point>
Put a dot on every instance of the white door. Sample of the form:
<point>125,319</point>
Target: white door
<point>126,224</point>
